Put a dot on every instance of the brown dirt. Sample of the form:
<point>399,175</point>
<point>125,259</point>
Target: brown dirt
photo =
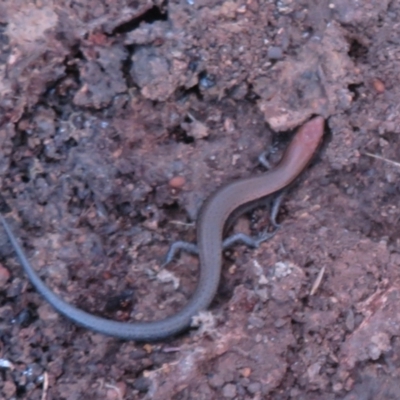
<point>117,120</point>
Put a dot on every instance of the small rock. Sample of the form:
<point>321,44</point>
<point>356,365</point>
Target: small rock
<point>165,276</point>
<point>195,129</point>
<point>379,86</point>
<point>229,125</point>
<point>23,318</point>
<point>313,371</point>
<point>254,387</point>
<point>245,372</point>
<point>380,343</point>
<point>256,321</point>
<point>6,364</point>
<point>337,387</point>
<point>216,381</point>
<point>148,348</point>
<point>177,182</point>
<point>275,53</point>
<point>47,313</point>
<point>207,81</point>
<point>282,269</point>
<point>112,394</point>
<point>6,312</point>
<point>15,288</point>
<point>262,294</point>
<point>141,384</point>
<point>4,276</point>
<point>229,391</point>
<point>279,323</point>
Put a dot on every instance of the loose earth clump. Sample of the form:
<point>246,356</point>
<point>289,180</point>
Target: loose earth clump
<point>118,119</point>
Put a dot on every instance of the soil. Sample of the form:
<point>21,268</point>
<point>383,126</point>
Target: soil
<point>118,119</point>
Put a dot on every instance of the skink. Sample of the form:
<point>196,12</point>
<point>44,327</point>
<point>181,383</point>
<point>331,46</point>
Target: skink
<point>210,225</point>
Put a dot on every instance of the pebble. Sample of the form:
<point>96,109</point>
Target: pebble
<point>275,53</point>
<point>245,372</point>
<point>15,289</point>
<point>279,323</point>
<point>6,312</point>
<point>256,321</point>
<point>47,313</point>
<point>4,276</point>
<point>177,182</point>
<point>141,384</point>
<point>379,86</point>
<point>229,391</point>
<point>215,381</point>
<point>254,387</point>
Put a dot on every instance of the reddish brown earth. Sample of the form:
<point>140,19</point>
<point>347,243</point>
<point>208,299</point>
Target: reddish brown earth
<point>118,119</point>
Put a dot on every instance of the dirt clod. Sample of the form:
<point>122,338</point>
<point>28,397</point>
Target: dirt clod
<point>118,120</point>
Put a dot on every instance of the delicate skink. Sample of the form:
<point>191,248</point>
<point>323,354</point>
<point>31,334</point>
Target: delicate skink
<point>210,225</point>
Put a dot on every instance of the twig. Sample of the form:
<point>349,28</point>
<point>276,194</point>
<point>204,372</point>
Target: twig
<point>397,164</point>
<point>318,281</point>
<point>45,385</point>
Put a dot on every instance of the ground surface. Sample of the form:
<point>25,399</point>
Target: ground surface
<point>118,120</point>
